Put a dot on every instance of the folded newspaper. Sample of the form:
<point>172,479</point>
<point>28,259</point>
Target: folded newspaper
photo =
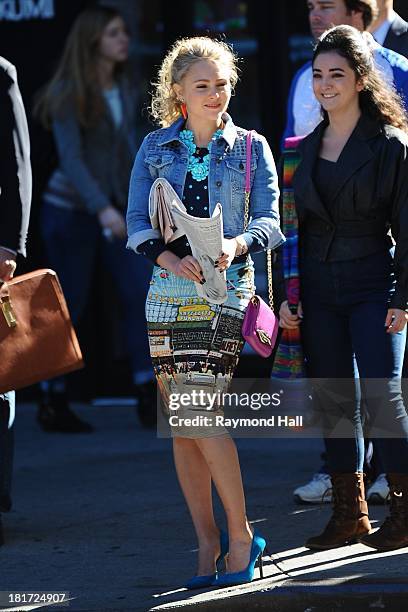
<point>204,235</point>
<point>161,197</point>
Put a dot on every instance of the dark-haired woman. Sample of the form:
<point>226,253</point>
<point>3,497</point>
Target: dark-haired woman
<point>90,106</point>
<point>351,188</point>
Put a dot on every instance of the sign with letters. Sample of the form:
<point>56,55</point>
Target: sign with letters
<point>24,10</point>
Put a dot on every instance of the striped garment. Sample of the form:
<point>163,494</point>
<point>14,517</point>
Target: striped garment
<point>289,362</point>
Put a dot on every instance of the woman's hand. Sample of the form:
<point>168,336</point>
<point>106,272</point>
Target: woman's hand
<point>7,265</point>
<point>396,320</point>
<point>287,320</point>
<point>112,221</point>
<point>229,249</point>
<point>188,267</point>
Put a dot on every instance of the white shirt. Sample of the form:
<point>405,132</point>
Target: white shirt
<point>113,99</point>
<point>380,34</point>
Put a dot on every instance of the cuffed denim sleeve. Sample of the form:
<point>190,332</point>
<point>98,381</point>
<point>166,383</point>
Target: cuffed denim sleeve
<point>264,223</point>
<point>137,217</point>
<point>254,244</point>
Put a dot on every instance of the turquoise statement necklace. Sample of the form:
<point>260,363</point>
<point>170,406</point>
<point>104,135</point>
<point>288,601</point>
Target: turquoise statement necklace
<point>198,165</point>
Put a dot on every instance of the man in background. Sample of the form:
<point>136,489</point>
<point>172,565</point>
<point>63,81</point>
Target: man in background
<point>303,110</point>
<point>15,202</point>
<point>389,29</point>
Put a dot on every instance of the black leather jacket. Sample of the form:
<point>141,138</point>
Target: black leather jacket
<point>371,198</point>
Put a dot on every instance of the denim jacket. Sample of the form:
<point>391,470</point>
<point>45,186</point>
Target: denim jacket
<point>162,154</point>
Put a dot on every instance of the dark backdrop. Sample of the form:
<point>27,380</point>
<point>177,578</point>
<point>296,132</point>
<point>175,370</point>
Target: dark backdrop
<point>401,6</point>
<point>276,42</point>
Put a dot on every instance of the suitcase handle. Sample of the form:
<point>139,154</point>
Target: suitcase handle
<point>6,306</point>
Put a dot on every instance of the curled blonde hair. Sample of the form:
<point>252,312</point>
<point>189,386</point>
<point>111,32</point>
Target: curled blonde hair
<point>165,108</point>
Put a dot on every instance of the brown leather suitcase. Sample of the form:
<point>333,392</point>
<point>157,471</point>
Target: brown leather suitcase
<point>37,339</point>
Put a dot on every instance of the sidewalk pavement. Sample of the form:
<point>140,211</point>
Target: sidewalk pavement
<point>102,517</point>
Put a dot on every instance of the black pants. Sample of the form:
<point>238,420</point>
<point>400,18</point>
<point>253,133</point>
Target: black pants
<point>345,305</point>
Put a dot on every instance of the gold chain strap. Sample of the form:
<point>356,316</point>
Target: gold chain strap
<point>268,252</point>
<point>269,269</point>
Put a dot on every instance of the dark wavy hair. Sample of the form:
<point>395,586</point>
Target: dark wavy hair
<point>377,99</point>
<point>367,8</point>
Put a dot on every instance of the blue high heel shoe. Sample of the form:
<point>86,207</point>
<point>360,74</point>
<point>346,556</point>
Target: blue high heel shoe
<point>201,582</point>
<point>247,575</point>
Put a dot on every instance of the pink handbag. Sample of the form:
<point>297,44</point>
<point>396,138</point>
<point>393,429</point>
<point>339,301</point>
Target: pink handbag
<point>260,326</point>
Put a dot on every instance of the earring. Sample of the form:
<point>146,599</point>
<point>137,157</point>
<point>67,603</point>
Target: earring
<point>183,109</point>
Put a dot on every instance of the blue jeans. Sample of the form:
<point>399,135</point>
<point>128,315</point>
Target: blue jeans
<point>7,414</point>
<point>345,305</point>
<point>74,242</point>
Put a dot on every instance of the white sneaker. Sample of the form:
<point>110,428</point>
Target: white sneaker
<point>317,491</point>
<point>379,490</point>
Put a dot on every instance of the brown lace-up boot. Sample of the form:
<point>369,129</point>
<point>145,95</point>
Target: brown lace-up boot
<point>393,533</point>
<point>349,520</point>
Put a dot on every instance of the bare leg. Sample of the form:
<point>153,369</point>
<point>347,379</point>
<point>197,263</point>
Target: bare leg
<point>195,481</point>
<point>221,456</point>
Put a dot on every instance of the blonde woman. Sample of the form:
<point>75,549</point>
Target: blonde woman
<point>202,154</point>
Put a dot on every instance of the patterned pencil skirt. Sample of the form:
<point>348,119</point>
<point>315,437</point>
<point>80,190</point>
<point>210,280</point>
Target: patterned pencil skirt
<point>195,346</point>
